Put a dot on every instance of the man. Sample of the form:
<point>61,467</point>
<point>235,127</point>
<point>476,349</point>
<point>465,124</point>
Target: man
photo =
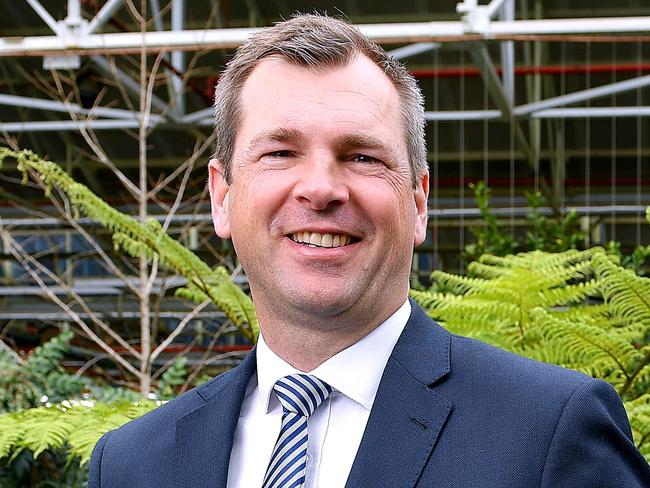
<point>320,179</point>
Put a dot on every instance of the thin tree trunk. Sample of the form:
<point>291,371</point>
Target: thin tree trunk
<point>145,321</point>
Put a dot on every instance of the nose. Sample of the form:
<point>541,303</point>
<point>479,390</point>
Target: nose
<point>321,185</point>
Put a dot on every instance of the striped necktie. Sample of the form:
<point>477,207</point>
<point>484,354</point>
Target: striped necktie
<point>300,395</point>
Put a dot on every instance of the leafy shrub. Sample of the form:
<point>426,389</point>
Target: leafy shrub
<point>577,309</point>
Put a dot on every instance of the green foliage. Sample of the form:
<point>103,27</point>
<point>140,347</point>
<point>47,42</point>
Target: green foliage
<point>33,442</point>
<point>49,432</point>
<point>635,261</point>
<point>577,309</point>
<point>174,376</point>
<point>51,469</point>
<point>41,378</point>
<point>490,238</point>
<point>640,421</point>
<point>147,239</point>
<point>543,233</point>
<point>23,385</point>
<point>55,439</point>
<point>75,425</point>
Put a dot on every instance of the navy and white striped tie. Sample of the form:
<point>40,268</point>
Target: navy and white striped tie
<point>300,395</point>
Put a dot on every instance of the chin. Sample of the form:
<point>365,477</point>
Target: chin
<point>320,304</point>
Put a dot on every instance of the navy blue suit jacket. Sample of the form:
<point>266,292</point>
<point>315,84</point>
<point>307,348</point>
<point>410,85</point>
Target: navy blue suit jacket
<point>449,412</point>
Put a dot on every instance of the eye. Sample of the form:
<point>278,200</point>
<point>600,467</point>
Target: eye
<point>363,158</point>
<point>279,154</point>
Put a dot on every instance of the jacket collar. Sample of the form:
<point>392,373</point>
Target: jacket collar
<point>408,415</point>
<point>204,436</point>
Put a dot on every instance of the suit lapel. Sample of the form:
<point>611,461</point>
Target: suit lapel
<point>204,436</point>
<point>407,416</point>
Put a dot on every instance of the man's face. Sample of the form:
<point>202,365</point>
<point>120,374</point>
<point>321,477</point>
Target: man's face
<point>321,209</point>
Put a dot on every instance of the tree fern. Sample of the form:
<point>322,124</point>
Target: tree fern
<point>503,291</point>
<point>77,425</point>
<point>10,434</point>
<point>596,351</point>
<point>626,294</point>
<point>146,239</point>
<point>578,309</point>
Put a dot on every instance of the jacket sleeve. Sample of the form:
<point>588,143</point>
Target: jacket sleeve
<point>94,472</point>
<point>592,445</point>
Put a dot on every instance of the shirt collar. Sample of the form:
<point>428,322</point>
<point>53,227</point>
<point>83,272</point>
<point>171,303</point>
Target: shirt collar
<point>355,371</point>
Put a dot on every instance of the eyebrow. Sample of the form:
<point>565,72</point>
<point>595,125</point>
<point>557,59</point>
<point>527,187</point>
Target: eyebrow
<point>362,141</point>
<point>281,134</point>
<point>347,141</point>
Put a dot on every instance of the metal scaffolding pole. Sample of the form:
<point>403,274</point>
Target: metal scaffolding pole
<point>413,49</point>
<point>583,95</point>
<point>44,15</point>
<point>398,33</point>
<point>59,125</point>
<point>455,115</point>
<point>508,54</point>
<point>591,112</point>
<point>205,218</point>
<point>130,84</point>
<point>178,59</point>
<point>103,16</point>
<point>56,106</point>
<point>205,120</point>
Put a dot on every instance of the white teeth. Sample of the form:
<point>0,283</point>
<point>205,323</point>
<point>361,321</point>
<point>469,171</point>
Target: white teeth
<point>327,240</point>
<point>314,239</point>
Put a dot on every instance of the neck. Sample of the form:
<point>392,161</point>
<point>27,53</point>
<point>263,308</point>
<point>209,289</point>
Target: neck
<point>306,342</point>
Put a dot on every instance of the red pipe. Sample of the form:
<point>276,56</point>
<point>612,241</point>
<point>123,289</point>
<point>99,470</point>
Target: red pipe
<point>211,81</point>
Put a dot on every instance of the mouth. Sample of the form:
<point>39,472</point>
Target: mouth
<point>315,239</point>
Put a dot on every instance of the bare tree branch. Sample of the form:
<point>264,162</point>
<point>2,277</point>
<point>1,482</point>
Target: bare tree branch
<point>92,142</point>
<point>26,260</point>
<point>179,328</point>
<point>11,352</point>
<point>109,262</point>
<point>191,161</point>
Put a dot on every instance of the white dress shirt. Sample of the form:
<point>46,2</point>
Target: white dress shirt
<point>334,429</point>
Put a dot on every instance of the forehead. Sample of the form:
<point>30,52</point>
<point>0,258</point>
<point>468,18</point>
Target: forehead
<point>354,95</point>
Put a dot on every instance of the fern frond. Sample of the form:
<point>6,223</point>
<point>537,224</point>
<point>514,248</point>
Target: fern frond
<point>459,284</point>
<point>599,351</point>
<point>11,432</point>
<point>73,425</point>
<point>46,358</point>
<point>44,428</point>
<point>145,239</point>
<point>568,294</point>
<point>626,294</point>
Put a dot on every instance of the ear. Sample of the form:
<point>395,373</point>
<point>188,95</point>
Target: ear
<point>219,194</point>
<point>421,195</point>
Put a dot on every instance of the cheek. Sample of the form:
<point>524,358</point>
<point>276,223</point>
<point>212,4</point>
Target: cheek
<point>254,205</point>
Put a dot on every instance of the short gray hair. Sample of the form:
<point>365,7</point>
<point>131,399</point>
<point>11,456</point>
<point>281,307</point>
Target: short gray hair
<point>315,42</point>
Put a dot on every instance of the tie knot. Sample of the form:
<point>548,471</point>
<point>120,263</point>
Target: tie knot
<point>301,393</point>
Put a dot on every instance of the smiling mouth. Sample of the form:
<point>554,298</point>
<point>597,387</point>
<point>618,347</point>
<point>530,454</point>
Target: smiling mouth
<point>314,239</point>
